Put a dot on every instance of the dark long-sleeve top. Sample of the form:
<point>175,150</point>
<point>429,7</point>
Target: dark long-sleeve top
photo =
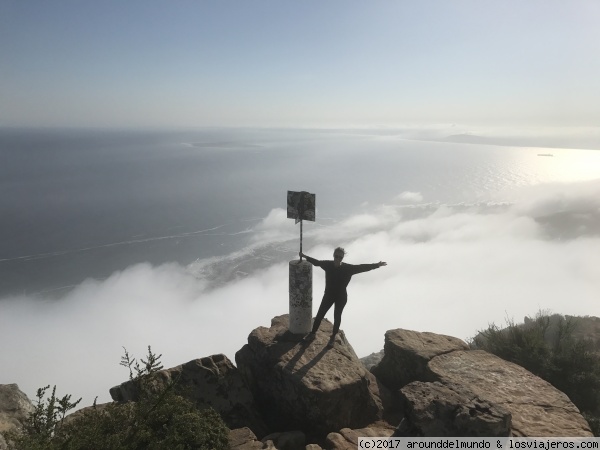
<point>337,278</point>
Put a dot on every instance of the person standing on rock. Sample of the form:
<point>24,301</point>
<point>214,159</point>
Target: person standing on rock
<point>337,277</point>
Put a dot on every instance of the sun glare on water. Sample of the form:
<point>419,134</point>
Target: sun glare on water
<point>567,165</point>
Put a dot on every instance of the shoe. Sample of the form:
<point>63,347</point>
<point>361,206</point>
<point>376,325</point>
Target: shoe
<point>308,338</point>
<point>331,342</point>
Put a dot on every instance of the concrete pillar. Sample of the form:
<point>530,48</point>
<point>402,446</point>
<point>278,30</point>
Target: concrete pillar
<point>300,297</point>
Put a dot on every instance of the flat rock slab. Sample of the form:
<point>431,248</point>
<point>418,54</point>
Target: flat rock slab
<point>537,407</point>
<point>435,409</point>
<point>407,352</point>
<point>308,386</point>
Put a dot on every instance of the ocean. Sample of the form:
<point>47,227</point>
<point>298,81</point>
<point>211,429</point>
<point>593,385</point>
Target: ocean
<point>179,239</point>
<point>80,204</point>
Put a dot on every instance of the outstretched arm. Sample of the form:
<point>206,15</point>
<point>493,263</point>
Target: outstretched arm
<point>313,261</point>
<point>359,268</point>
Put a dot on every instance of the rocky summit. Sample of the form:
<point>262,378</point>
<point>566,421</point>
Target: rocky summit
<point>308,385</point>
<point>289,394</point>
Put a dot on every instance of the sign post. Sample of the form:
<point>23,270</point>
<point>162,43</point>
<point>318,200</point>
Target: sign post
<point>300,206</point>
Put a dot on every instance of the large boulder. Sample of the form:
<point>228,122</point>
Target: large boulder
<point>244,439</point>
<point>473,379</point>
<point>436,409</point>
<point>308,386</point>
<point>406,354</point>
<point>15,408</point>
<point>537,407</point>
<point>212,381</point>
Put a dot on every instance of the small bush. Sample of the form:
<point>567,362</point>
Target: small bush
<point>160,419</point>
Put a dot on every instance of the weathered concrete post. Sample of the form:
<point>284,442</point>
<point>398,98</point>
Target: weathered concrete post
<point>300,297</point>
<point>300,206</point>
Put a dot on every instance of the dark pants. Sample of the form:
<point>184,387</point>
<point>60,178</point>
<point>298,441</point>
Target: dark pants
<point>326,303</point>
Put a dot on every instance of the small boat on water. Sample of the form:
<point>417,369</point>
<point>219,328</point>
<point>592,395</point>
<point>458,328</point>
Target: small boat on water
<point>545,154</point>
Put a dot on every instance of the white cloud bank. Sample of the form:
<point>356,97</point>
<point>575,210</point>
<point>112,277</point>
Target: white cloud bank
<point>410,197</point>
<point>451,270</point>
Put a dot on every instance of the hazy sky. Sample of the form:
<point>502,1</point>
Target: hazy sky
<point>299,63</point>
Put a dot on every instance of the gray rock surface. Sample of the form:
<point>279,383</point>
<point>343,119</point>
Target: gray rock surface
<point>313,447</point>
<point>212,381</point>
<point>347,439</point>
<point>15,408</point>
<point>244,439</point>
<point>308,386</point>
<point>407,354</point>
<point>436,409</point>
<point>85,410</point>
<point>537,408</point>
<point>373,359</point>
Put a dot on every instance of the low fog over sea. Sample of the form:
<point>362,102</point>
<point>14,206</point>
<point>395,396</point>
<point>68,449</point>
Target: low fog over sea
<point>179,239</point>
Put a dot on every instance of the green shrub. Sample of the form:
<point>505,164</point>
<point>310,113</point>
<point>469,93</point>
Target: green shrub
<point>547,347</point>
<point>159,419</point>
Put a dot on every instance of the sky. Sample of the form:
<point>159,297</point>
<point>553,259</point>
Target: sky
<point>299,63</point>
